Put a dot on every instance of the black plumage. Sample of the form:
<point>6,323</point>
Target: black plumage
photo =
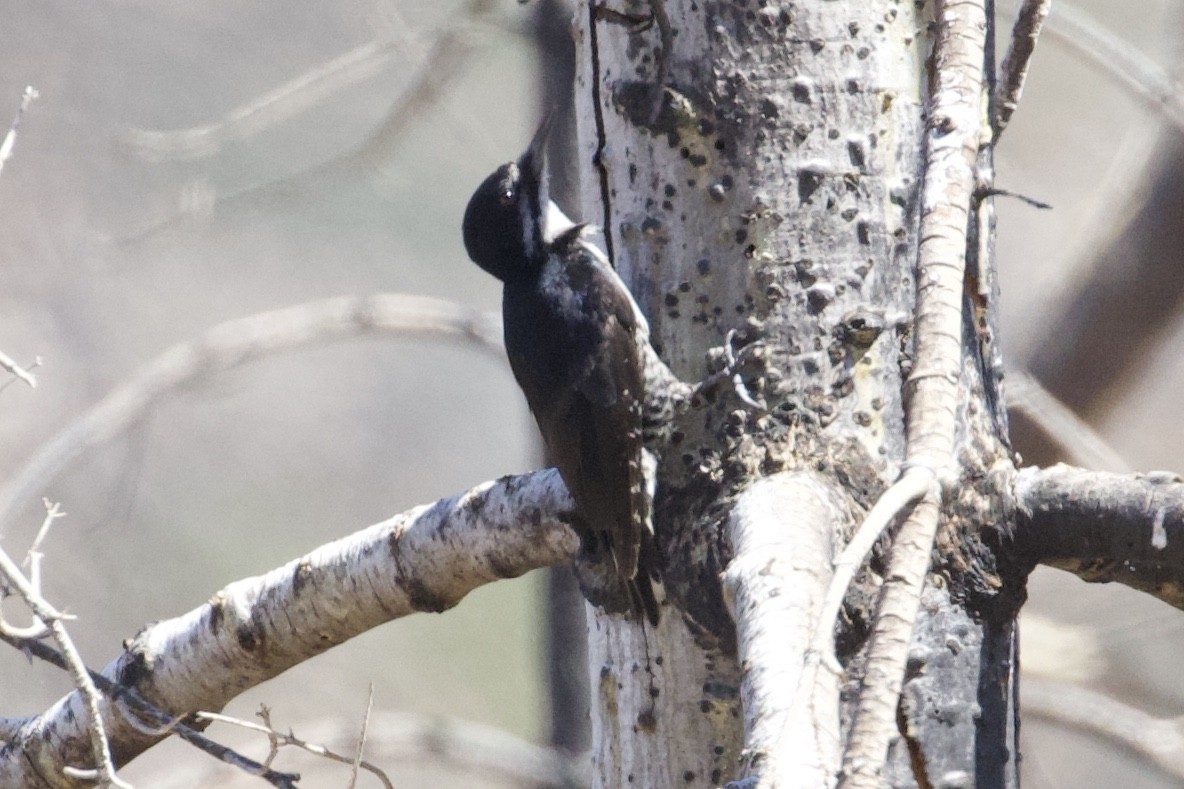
<point>579,349</point>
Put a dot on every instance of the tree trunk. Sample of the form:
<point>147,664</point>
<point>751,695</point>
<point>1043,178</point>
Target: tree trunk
<point>773,187</point>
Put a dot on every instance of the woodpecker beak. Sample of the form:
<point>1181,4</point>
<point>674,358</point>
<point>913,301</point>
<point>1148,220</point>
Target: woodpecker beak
<point>533,198</point>
<point>531,162</point>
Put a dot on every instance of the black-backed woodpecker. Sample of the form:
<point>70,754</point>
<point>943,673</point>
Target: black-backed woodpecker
<point>579,348</point>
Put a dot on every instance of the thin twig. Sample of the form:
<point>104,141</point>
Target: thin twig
<point>353,775</point>
<point>1014,71</point>
<point>279,739</point>
<point>906,491</point>
<point>232,343</point>
<point>12,577</point>
<point>104,769</point>
<point>38,628</point>
<point>47,616</point>
<point>10,138</point>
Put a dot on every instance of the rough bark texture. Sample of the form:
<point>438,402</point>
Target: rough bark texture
<point>772,187</point>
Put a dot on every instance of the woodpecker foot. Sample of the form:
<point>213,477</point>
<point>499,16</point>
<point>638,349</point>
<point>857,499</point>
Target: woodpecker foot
<point>734,363</point>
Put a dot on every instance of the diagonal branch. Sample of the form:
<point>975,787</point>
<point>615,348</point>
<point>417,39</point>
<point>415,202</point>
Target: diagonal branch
<point>1155,741</point>
<point>234,342</point>
<point>1010,88</point>
<point>426,559</point>
<point>1076,438</point>
<point>1119,59</point>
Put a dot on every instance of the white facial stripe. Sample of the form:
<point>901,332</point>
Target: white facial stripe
<point>556,222</point>
<point>531,216</point>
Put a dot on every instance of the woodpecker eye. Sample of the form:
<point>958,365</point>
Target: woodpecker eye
<point>506,197</point>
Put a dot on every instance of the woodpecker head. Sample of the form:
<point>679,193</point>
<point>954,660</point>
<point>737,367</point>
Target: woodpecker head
<point>505,222</point>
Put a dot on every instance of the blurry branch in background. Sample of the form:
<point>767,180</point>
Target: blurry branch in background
<point>423,560</point>
<point>1118,58</point>
<point>277,740</point>
<point>1078,441</point>
<point>1159,742</point>
<point>442,63</point>
<point>6,362</point>
<point>235,342</point>
<point>401,737</point>
<point>267,110</point>
<point>10,138</point>
<point>1010,85</point>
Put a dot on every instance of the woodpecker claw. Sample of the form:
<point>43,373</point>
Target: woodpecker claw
<point>734,360</point>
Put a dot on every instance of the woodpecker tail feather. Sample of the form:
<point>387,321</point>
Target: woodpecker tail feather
<point>603,585</point>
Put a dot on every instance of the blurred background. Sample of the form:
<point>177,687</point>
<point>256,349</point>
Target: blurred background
<point>190,164</point>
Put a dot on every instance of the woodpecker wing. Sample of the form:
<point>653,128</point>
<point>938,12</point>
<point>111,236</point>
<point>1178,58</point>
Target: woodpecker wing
<point>572,347</point>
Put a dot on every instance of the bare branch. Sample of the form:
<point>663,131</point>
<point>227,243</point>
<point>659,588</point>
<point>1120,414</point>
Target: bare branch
<point>1010,87</point>
<point>132,707</point>
<point>780,531</point>
<point>1076,438</point>
<point>425,559</point>
<point>46,617</point>
<point>1158,741</point>
<point>404,737</point>
<point>278,739</point>
<point>235,342</point>
<point>952,145</point>
<point>1104,527</point>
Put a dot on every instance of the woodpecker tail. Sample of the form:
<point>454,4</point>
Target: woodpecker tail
<point>641,586</point>
<point>603,585</point>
